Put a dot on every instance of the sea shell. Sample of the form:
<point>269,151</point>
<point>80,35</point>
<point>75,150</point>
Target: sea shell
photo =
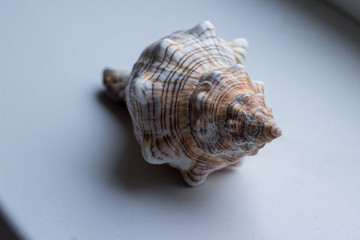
<point>193,104</point>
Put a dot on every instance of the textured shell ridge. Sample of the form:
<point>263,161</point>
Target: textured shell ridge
<point>193,105</point>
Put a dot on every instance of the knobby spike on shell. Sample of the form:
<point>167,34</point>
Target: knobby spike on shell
<point>193,104</point>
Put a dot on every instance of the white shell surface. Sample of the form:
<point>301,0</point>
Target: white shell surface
<point>179,95</point>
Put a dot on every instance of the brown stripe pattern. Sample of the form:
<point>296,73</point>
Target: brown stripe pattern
<point>193,105</point>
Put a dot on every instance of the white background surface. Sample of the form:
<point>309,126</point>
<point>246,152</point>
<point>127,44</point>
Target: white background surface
<point>70,167</point>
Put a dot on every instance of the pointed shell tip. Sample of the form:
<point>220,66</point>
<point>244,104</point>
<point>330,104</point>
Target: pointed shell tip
<point>276,131</point>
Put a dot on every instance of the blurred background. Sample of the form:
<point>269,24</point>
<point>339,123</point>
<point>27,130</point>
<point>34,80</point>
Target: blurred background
<point>70,167</point>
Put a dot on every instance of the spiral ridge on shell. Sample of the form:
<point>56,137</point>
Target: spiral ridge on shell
<point>193,105</point>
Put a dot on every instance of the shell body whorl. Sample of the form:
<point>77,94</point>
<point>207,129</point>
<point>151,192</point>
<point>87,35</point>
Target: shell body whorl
<point>193,105</point>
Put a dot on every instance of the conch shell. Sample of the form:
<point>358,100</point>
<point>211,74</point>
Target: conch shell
<point>193,104</point>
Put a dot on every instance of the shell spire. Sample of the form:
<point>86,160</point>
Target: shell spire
<point>252,118</point>
<point>192,103</point>
<point>271,130</point>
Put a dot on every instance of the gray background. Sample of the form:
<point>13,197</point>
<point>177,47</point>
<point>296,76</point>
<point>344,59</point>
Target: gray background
<point>70,167</point>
